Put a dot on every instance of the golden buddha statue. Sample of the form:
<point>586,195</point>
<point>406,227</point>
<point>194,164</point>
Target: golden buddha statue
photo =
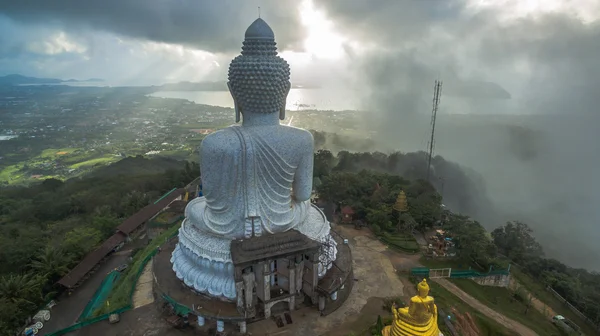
<point>418,319</point>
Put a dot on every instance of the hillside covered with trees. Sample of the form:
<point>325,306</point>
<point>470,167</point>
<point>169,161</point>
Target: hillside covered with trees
<point>47,228</point>
<point>370,183</point>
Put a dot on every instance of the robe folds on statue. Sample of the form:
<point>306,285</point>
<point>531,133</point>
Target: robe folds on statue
<point>253,194</point>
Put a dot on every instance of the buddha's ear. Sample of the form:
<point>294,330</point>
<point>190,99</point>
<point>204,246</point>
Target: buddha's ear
<point>282,109</point>
<point>235,104</point>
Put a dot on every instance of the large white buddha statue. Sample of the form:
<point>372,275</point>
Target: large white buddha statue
<point>256,178</point>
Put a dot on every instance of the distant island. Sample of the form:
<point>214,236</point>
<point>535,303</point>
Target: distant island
<point>20,80</point>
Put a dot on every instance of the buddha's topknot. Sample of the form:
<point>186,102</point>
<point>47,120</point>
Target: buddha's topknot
<point>258,78</point>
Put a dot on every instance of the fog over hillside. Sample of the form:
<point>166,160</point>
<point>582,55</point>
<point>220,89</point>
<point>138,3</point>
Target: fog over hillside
<point>530,168</point>
<point>539,169</point>
<point>519,103</point>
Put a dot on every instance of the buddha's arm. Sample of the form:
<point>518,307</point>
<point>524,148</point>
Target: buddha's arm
<point>412,307</point>
<point>303,179</point>
<point>205,160</point>
<point>210,156</point>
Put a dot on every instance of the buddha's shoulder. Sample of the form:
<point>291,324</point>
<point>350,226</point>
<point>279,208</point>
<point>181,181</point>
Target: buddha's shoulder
<point>299,133</point>
<point>223,138</point>
<point>419,299</point>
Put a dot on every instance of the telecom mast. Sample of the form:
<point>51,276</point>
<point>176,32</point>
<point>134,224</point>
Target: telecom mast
<point>437,93</point>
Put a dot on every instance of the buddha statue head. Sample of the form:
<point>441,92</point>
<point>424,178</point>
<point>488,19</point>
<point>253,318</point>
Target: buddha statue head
<point>259,80</point>
<point>423,288</point>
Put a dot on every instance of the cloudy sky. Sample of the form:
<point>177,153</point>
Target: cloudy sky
<point>495,57</point>
<point>482,48</point>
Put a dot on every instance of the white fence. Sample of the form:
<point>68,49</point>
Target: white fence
<point>573,308</point>
<point>440,273</point>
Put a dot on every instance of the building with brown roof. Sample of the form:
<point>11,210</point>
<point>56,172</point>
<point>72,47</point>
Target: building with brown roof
<point>133,224</point>
<point>128,228</point>
<point>78,274</point>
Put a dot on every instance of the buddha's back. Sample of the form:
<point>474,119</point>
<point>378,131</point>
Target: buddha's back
<point>248,173</point>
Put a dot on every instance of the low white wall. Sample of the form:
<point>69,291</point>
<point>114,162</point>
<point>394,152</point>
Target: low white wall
<point>493,280</point>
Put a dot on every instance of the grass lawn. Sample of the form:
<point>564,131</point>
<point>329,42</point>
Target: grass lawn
<point>501,300</point>
<point>448,263</point>
<point>402,242</point>
<point>538,290</point>
<point>446,300</point>
<point>54,152</point>
<point>122,292</point>
<point>101,160</point>
<point>11,174</point>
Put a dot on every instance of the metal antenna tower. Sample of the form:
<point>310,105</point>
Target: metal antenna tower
<point>437,93</point>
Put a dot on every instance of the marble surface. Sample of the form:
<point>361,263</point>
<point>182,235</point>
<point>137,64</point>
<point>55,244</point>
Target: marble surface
<point>256,178</point>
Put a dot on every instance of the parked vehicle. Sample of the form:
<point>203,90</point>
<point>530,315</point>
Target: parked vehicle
<point>566,325</point>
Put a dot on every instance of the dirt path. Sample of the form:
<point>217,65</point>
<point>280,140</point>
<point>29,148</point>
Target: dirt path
<point>487,311</point>
<point>537,304</point>
<point>143,290</point>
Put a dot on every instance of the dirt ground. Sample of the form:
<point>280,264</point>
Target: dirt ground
<point>487,311</point>
<point>143,321</point>
<point>375,279</point>
<point>68,308</point>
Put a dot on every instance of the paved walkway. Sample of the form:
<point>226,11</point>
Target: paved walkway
<point>68,308</point>
<point>143,289</point>
<point>487,311</point>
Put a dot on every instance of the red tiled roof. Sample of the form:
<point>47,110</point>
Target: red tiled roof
<point>347,210</point>
<point>133,222</point>
<point>91,260</point>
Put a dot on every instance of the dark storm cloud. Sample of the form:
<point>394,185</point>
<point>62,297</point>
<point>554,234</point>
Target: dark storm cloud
<point>564,54</point>
<point>215,26</point>
<point>388,21</point>
<point>548,65</point>
<point>421,37</point>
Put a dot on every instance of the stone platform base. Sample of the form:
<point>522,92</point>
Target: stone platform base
<point>212,310</point>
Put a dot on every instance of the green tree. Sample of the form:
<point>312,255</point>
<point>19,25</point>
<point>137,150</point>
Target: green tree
<point>472,240</point>
<point>81,240</point>
<point>20,295</point>
<point>380,325</point>
<point>323,163</point>
<point>51,264</point>
<point>380,217</point>
<point>515,240</point>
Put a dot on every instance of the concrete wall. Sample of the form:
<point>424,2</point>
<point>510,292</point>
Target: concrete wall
<point>493,280</point>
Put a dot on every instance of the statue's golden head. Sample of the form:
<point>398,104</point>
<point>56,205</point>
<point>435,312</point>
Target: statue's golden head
<point>423,288</point>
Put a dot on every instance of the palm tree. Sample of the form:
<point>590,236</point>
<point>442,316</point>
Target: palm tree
<point>52,263</point>
<point>20,289</point>
<point>20,295</point>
